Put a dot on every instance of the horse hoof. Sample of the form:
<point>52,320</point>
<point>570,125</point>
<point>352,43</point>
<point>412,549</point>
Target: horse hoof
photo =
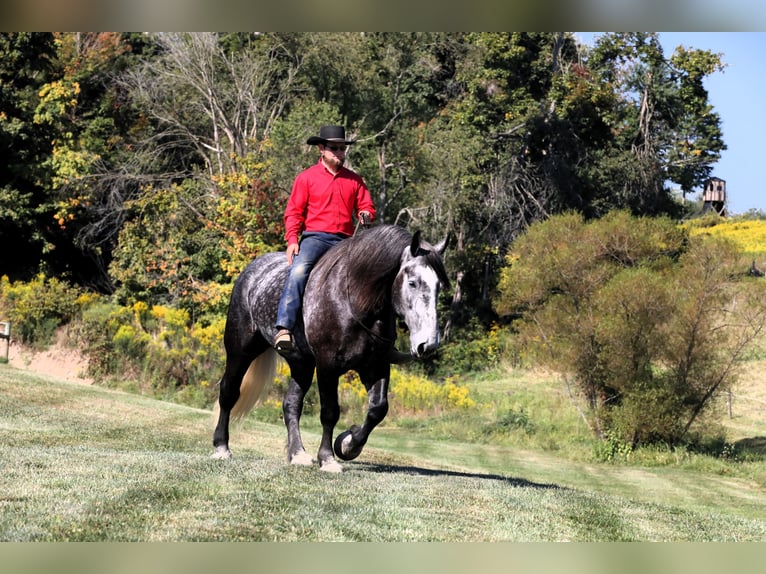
<point>221,453</point>
<point>342,446</point>
<point>331,466</point>
<point>302,458</point>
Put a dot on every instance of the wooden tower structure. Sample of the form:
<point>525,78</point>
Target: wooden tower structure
<point>714,196</point>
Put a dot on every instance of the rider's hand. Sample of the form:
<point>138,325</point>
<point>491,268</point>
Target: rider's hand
<point>292,251</point>
<point>365,217</point>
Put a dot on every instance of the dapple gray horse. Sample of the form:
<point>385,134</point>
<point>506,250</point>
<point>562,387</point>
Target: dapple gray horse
<point>353,297</point>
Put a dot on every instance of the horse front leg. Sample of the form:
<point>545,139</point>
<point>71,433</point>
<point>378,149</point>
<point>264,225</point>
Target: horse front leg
<point>292,408</point>
<point>350,443</point>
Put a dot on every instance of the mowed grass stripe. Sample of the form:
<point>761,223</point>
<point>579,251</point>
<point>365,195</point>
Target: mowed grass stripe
<point>84,463</point>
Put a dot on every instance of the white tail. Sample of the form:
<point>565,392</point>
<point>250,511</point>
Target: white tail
<point>258,376</point>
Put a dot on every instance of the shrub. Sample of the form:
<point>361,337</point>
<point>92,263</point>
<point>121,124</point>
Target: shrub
<point>647,322</point>
<point>35,309</point>
<point>412,393</point>
<point>508,419</point>
<point>155,349</point>
<point>612,448</point>
<point>476,350</point>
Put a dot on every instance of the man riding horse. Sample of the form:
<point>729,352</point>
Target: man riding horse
<point>320,211</point>
<point>341,318</point>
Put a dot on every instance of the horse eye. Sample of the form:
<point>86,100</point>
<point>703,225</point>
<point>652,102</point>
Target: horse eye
<point>412,284</point>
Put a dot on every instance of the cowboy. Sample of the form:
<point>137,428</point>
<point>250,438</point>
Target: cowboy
<point>324,200</point>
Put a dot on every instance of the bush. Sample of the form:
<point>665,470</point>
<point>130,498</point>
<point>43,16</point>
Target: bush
<point>36,309</point>
<point>646,321</point>
<point>477,349</point>
<point>509,419</point>
<point>411,393</point>
<point>155,349</point>
<point>612,448</point>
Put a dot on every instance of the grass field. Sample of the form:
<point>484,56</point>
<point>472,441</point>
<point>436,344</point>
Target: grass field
<point>83,463</point>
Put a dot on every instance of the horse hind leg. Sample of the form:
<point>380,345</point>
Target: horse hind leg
<point>292,408</point>
<point>243,381</point>
<point>228,394</point>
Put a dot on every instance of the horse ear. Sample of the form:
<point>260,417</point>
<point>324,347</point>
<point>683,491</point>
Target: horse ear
<point>415,245</point>
<point>441,247</point>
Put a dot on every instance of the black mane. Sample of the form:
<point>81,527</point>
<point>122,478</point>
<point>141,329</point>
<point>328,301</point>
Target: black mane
<point>370,260</point>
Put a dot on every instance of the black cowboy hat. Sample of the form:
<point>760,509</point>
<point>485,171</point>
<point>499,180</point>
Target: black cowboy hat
<point>330,134</point>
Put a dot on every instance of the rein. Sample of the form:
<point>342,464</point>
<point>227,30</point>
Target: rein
<point>364,221</point>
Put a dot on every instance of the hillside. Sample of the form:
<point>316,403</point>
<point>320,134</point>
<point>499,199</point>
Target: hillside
<point>57,361</point>
<point>85,463</point>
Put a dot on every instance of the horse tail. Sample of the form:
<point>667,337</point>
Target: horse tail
<point>259,375</point>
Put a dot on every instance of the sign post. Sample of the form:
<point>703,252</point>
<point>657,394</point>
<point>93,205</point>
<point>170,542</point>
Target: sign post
<point>5,333</point>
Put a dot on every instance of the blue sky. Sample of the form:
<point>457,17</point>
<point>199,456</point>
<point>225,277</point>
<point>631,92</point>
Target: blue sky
<point>737,95</point>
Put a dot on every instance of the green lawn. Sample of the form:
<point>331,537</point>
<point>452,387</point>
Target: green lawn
<point>82,463</point>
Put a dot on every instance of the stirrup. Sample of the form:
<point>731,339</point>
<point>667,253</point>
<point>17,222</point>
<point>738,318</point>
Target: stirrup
<point>284,341</point>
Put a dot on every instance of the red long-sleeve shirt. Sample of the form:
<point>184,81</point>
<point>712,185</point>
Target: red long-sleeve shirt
<point>321,201</point>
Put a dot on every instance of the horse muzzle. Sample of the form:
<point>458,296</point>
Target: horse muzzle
<point>425,349</point>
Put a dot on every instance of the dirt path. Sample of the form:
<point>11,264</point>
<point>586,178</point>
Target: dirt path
<point>56,361</point>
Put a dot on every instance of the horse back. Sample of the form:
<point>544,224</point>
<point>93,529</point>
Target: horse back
<point>255,297</point>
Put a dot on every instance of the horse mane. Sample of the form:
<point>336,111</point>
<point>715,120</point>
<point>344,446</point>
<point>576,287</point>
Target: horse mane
<point>371,260</point>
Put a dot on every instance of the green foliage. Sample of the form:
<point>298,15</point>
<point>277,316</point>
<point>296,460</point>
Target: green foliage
<point>413,393</point>
<point>27,62</point>
<point>155,350</point>
<point>508,420</point>
<point>475,350</point>
<point>648,322</point>
<point>612,448</point>
<point>248,214</point>
<point>153,167</point>
<point>35,309</point>
<point>663,127</point>
<point>165,251</point>
<point>157,165</point>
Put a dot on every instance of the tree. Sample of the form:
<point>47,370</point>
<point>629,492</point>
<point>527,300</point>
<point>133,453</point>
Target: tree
<point>164,254</point>
<point>215,102</point>
<point>495,154</point>
<point>480,135</point>
<point>403,88</point>
<point>248,215</point>
<point>89,130</point>
<point>27,62</point>
<point>211,101</point>
<point>644,322</point>
<point>665,129</point>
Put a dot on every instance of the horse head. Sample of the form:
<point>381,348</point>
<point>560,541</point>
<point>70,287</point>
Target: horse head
<point>416,290</point>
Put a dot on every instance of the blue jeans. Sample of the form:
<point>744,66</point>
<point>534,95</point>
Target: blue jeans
<point>313,246</point>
